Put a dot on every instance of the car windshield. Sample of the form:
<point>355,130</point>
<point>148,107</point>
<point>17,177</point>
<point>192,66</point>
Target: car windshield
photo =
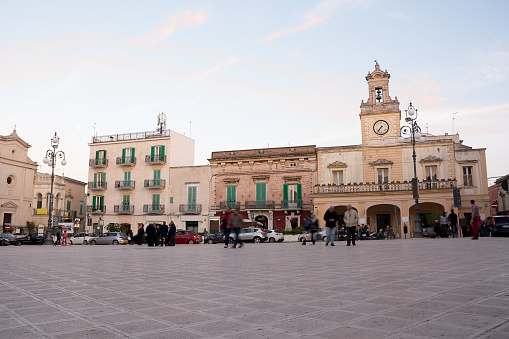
<point>8,235</point>
<point>501,220</point>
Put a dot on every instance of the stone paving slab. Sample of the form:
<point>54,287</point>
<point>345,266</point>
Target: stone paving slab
<point>407,289</point>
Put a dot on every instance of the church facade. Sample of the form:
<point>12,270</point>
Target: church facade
<point>375,177</point>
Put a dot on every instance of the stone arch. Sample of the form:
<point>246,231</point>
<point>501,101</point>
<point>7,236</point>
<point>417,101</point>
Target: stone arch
<point>426,210</point>
<point>383,215</point>
<point>262,219</point>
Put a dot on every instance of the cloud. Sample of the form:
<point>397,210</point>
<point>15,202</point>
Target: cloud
<point>311,21</point>
<point>179,21</point>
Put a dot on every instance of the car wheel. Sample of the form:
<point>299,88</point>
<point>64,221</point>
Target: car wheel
<point>70,242</point>
<point>272,240</point>
<point>190,241</point>
<point>93,242</point>
<point>257,240</point>
<point>210,241</point>
<point>18,243</point>
<point>324,238</point>
<point>115,242</point>
<point>231,240</point>
<point>85,242</point>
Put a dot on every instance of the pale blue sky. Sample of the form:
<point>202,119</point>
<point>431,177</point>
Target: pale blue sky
<point>249,73</point>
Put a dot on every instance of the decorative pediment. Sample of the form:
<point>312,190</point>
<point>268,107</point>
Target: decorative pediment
<point>260,177</point>
<point>337,164</point>
<point>431,158</point>
<point>381,161</point>
<point>231,180</point>
<point>9,204</point>
<point>294,179</point>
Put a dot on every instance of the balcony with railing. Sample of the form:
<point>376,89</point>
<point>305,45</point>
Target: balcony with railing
<point>153,209</point>
<point>155,159</point>
<point>131,136</point>
<point>123,209</point>
<point>97,185</point>
<point>426,185</point>
<point>155,184</point>
<point>69,214</point>
<point>124,184</point>
<point>260,205</point>
<point>98,162</point>
<point>291,204</point>
<point>126,161</point>
<point>190,208</point>
<point>96,209</point>
<point>231,204</point>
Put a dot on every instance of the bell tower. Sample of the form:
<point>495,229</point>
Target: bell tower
<point>380,115</point>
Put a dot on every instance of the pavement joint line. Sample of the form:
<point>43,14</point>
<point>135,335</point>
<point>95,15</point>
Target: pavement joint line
<point>491,329</point>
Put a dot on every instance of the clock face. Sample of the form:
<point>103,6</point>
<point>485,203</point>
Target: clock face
<point>381,127</point>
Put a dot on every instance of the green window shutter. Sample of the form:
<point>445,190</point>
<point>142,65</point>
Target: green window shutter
<point>157,177</point>
<point>261,191</point>
<point>285,192</point>
<point>127,178</point>
<point>126,203</point>
<point>231,193</point>
<point>123,155</point>
<point>94,201</point>
<point>81,208</point>
<point>162,151</point>
<point>68,205</point>
<point>39,204</point>
<point>191,198</point>
<point>155,202</point>
<point>97,157</point>
<point>152,150</point>
<point>299,192</point>
<point>103,179</point>
<point>95,180</point>
<point>132,155</point>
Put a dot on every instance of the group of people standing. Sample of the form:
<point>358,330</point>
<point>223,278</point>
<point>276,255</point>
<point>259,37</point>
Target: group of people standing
<point>157,235</point>
<point>331,218</point>
<point>60,237</point>
<point>449,224</point>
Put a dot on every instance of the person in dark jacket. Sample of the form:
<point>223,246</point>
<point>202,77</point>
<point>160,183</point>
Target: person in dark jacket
<point>437,228</point>
<point>141,235</point>
<point>236,223</point>
<point>311,226</point>
<point>225,227</point>
<point>171,234</point>
<point>453,222</point>
<point>163,230</point>
<point>151,232</point>
<point>331,218</point>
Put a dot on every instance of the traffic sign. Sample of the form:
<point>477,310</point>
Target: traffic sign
<point>252,216</point>
<point>7,226</point>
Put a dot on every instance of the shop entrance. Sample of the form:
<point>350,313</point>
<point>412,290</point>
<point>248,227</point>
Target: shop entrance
<point>382,221</point>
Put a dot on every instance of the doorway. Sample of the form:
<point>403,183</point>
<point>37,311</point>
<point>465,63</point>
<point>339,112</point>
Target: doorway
<point>192,226</point>
<point>214,226</point>
<point>382,221</point>
<point>7,221</point>
<point>263,220</point>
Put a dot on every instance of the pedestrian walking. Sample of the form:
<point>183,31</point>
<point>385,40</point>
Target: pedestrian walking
<point>205,233</point>
<point>444,223</point>
<point>141,235</point>
<point>236,222</point>
<point>351,220</point>
<point>171,234</point>
<point>453,222</point>
<point>130,237</point>
<point>64,237</point>
<point>163,230</point>
<point>311,227</point>
<point>225,226</point>
<point>330,217</point>
<point>151,232</point>
<point>59,236</point>
<point>464,226</point>
<point>476,220</point>
<point>437,228</point>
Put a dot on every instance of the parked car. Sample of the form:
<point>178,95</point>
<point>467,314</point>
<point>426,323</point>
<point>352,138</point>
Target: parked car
<point>186,237</point>
<point>250,234</point>
<point>495,226</point>
<point>31,239</point>
<point>109,238</point>
<point>214,238</point>
<point>274,235</point>
<point>7,239</point>
<point>80,238</point>
<point>320,235</point>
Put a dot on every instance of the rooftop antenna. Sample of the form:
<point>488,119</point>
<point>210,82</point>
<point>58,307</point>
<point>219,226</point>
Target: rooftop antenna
<point>14,128</point>
<point>95,132</point>
<point>161,122</point>
<point>453,118</point>
<point>189,129</point>
<point>427,132</point>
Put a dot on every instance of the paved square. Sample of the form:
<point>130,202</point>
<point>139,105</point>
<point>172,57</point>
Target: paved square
<point>425,288</point>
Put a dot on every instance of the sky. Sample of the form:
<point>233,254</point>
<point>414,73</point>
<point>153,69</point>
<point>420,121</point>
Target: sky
<point>249,74</point>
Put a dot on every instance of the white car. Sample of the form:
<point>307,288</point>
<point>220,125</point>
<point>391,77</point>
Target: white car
<point>82,238</point>
<point>320,235</point>
<point>274,235</point>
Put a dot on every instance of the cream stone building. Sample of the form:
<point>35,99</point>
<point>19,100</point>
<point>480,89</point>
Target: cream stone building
<point>17,173</point>
<point>129,176</point>
<point>189,191</point>
<point>375,177</point>
<point>69,201</point>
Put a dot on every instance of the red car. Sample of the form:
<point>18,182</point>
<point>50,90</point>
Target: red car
<point>187,237</point>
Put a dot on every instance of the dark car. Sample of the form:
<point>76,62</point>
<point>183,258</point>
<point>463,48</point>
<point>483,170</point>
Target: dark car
<point>31,239</point>
<point>497,225</point>
<point>186,237</point>
<point>214,238</point>
<point>7,239</point>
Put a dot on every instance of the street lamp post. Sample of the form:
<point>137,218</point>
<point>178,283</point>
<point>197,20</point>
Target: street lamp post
<point>50,160</point>
<point>413,131</point>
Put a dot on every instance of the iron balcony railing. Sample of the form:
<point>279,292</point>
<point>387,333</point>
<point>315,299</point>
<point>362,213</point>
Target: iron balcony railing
<point>125,184</point>
<point>267,204</point>
<point>291,204</point>
<point>123,209</point>
<point>126,161</point>
<point>155,159</point>
<point>190,208</point>
<point>153,209</point>
<point>96,209</point>
<point>157,183</point>
<point>131,136</point>
<point>231,204</point>
<point>98,162</point>
<point>97,185</point>
<point>384,187</point>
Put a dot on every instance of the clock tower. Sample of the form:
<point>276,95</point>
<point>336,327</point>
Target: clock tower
<point>380,115</point>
